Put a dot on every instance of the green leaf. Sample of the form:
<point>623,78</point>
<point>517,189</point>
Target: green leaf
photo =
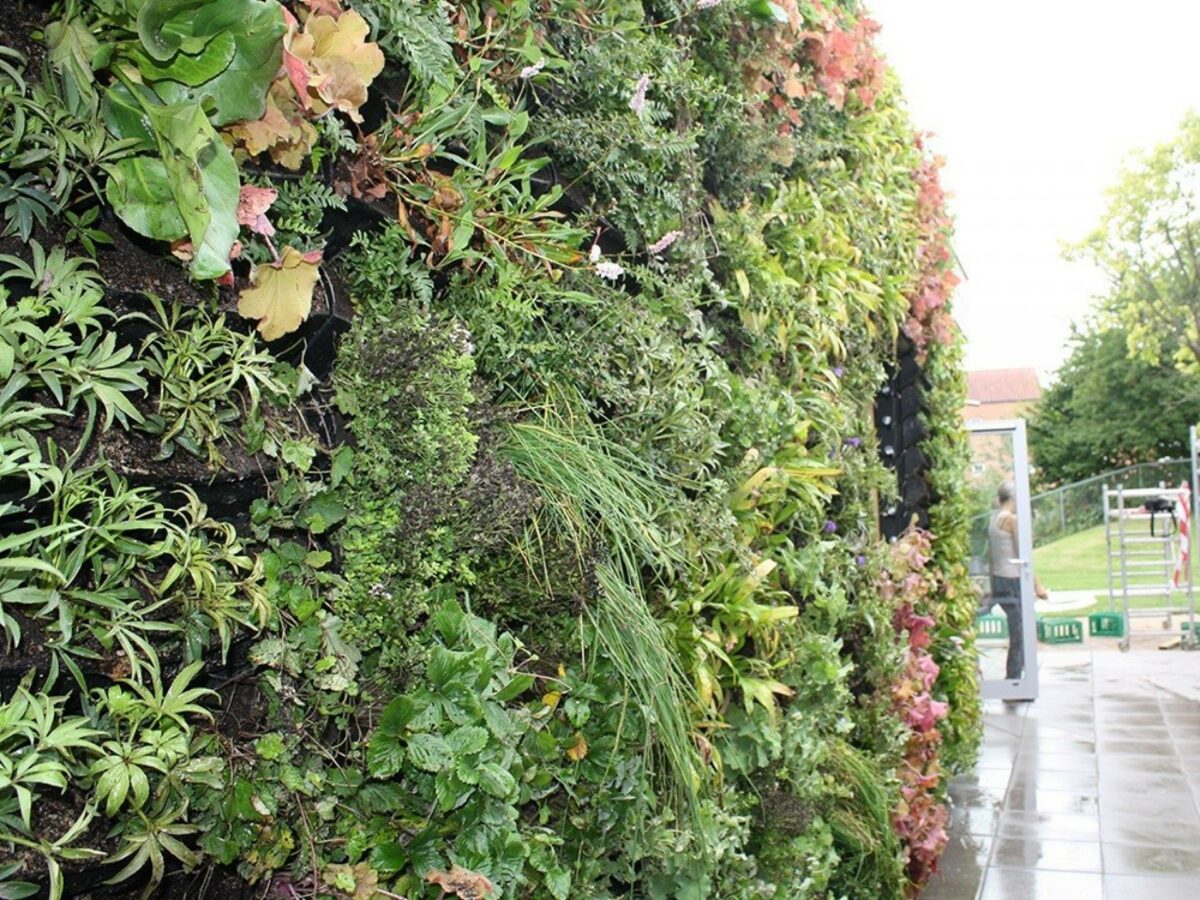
<point>429,752</point>
<point>382,798</point>
<point>397,715</point>
<point>446,666</point>
<point>139,786</point>
<point>498,720</point>
<point>192,70</point>
<point>318,559</point>
<point>467,739</point>
<point>449,791</point>
<point>239,92</point>
<point>385,754</point>
<point>124,117</point>
<point>497,781</point>
<point>322,512</point>
<point>205,182</point>
<point>17,890</point>
<point>270,746</point>
<point>139,191</point>
<point>193,172</point>
<point>160,41</point>
<point>518,685</point>
<point>558,883</point>
<point>389,858</point>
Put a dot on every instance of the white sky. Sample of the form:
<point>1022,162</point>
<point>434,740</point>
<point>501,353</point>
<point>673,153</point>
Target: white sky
<point>1035,104</point>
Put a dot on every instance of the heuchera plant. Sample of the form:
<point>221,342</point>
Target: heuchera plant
<point>807,52</point>
<point>929,318</point>
<point>921,818</point>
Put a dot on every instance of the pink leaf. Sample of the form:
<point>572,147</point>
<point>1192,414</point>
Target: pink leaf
<point>253,203</point>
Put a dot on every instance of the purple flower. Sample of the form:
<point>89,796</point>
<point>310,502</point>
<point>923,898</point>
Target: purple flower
<point>830,526</point>
<point>638,101</point>
<point>860,560</point>
<point>853,442</point>
<point>838,371</point>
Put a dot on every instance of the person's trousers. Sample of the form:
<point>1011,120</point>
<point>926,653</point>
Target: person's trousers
<point>1007,592</point>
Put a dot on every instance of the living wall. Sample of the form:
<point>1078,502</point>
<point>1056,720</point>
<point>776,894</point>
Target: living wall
<point>438,454</point>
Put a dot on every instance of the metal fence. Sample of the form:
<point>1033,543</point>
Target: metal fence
<point>1080,505</point>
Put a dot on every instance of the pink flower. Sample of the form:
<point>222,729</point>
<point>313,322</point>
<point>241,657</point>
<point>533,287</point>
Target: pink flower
<point>529,71</point>
<point>638,101</point>
<point>664,242</point>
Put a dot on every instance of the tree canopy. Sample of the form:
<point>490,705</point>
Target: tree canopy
<point>1107,410</point>
<point>1148,243</point>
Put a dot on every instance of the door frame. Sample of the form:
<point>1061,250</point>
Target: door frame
<point>1025,688</point>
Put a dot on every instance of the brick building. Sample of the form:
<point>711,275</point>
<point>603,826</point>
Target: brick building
<point>1001,393</point>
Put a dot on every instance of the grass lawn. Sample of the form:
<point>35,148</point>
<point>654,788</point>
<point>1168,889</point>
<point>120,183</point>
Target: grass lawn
<point>1073,563</point>
<point>1077,563</point>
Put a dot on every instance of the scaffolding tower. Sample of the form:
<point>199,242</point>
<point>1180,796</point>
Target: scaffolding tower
<point>1142,559</point>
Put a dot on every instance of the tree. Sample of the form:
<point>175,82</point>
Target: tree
<point>1148,244</point>
<point>1106,410</point>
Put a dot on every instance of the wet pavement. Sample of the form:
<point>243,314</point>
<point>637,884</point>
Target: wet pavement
<point>1092,792</point>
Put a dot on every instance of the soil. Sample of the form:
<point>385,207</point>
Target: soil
<point>53,815</point>
<point>140,266</point>
<point>17,22</point>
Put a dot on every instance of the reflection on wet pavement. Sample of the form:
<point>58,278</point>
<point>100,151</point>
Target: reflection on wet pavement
<point>1091,792</point>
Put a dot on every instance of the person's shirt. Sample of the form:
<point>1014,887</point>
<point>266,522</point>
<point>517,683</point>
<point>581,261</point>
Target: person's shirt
<point>1002,540</point>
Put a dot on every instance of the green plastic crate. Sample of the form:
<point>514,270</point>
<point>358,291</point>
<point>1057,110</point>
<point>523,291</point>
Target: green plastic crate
<point>1106,624</point>
<point>1060,631</point>
<point>991,627</point>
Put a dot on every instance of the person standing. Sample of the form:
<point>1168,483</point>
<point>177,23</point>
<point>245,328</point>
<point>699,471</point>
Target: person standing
<point>1005,570</point>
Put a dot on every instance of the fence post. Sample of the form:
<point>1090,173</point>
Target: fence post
<point>1062,513</point>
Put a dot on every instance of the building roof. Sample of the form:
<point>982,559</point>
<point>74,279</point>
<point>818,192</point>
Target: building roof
<point>1003,385</point>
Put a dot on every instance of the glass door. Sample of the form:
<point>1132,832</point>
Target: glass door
<point>1002,559</point>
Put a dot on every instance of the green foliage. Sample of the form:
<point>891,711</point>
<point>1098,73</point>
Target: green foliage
<point>299,208</point>
<point>53,337</point>
<point>180,73</point>
<point>415,35</point>
<point>38,749</point>
<point>210,379</point>
<point>1146,244</point>
<point>409,390</point>
<point>1105,410</point>
<point>589,602</point>
<point>953,648</point>
<point>50,143</point>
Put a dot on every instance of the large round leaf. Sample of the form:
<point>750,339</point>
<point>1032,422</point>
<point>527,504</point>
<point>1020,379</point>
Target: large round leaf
<point>192,69</point>
<point>139,190</point>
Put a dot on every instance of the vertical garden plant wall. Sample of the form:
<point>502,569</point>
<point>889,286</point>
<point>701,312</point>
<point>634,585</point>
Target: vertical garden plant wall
<point>439,454</point>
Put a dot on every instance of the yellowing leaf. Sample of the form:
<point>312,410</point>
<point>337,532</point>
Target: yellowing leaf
<point>579,750</point>
<point>743,283</point>
<point>339,60</point>
<point>283,130</point>
<point>551,698</point>
<point>461,883</point>
<point>281,296</point>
